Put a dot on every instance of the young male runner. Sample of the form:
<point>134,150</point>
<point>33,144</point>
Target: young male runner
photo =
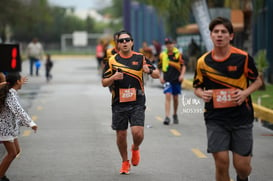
<point>225,77</point>
<point>172,65</point>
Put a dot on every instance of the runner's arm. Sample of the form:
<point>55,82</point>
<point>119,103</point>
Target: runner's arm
<point>182,73</point>
<point>206,95</point>
<point>150,69</point>
<point>155,74</point>
<point>106,82</point>
<point>241,95</point>
<point>183,68</point>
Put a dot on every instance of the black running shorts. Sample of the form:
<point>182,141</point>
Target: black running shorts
<point>122,116</point>
<point>238,139</point>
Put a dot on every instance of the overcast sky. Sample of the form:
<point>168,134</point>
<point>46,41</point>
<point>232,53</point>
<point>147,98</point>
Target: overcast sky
<point>82,4</point>
<point>82,7</point>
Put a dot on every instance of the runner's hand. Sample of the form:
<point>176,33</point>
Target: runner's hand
<point>239,96</point>
<point>118,76</point>
<point>146,69</point>
<point>162,81</point>
<point>181,78</point>
<point>207,95</point>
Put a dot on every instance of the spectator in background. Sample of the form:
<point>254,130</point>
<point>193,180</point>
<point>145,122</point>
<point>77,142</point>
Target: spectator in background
<point>48,67</point>
<point>193,52</point>
<point>158,49</point>
<point>12,116</point>
<point>100,53</point>
<point>35,54</point>
<point>147,51</point>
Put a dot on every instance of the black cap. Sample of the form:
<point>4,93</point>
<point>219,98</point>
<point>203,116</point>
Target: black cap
<point>168,40</point>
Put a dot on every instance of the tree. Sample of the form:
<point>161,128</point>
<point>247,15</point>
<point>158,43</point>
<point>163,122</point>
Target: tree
<point>89,24</point>
<point>262,65</point>
<point>46,22</point>
<point>11,13</point>
<point>36,18</point>
<point>115,10</point>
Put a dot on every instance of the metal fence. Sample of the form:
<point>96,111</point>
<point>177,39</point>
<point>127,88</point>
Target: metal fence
<point>143,23</point>
<point>262,35</point>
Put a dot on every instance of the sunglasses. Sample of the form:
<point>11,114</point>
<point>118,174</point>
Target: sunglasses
<point>124,39</point>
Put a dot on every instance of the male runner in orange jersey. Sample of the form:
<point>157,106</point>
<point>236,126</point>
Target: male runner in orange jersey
<point>124,73</point>
<point>113,50</point>
<point>225,77</point>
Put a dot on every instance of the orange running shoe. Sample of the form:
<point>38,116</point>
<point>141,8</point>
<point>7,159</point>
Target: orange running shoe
<point>125,168</point>
<point>135,157</point>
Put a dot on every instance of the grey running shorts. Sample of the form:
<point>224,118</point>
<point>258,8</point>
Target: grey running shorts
<point>238,139</point>
<point>122,116</point>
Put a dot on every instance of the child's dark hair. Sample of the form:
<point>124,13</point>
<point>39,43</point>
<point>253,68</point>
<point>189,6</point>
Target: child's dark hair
<point>221,20</point>
<point>11,79</point>
<point>3,90</point>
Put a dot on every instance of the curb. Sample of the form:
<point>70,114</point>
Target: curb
<point>263,113</point>
<point>260,112</point>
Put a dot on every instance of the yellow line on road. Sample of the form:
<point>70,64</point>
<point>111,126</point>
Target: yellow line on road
<point>39,108</point>
<point>26,133</point>
<point>175,132</point>
<point>34,118</point>
<point>158,118</point>
<point>198,153</point>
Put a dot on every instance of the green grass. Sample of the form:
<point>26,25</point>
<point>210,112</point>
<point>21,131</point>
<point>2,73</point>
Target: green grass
<point>265,95</point>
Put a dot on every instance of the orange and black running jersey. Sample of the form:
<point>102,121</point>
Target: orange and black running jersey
<point>175,63</point>
<point>235,71</point>
<point>132,69</point>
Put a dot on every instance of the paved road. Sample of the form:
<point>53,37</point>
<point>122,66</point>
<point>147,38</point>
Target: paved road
<point>75,141</point>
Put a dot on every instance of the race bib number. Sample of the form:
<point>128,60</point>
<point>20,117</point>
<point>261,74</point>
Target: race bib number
<point>127,95</point>
<point>222,98</point>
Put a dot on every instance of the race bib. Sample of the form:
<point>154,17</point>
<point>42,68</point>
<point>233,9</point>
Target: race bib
<point>222,98</point>
<point>127,95</point>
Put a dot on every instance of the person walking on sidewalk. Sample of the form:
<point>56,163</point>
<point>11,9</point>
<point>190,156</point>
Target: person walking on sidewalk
<point>172,65</point>
<point>12,116</point>
<point>48,67</point>
<point>124,72</point>
<point>225,77</point>
<point>35,54</point>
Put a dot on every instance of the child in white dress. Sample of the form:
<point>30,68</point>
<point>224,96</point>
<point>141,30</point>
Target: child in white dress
<point>12,116</point>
